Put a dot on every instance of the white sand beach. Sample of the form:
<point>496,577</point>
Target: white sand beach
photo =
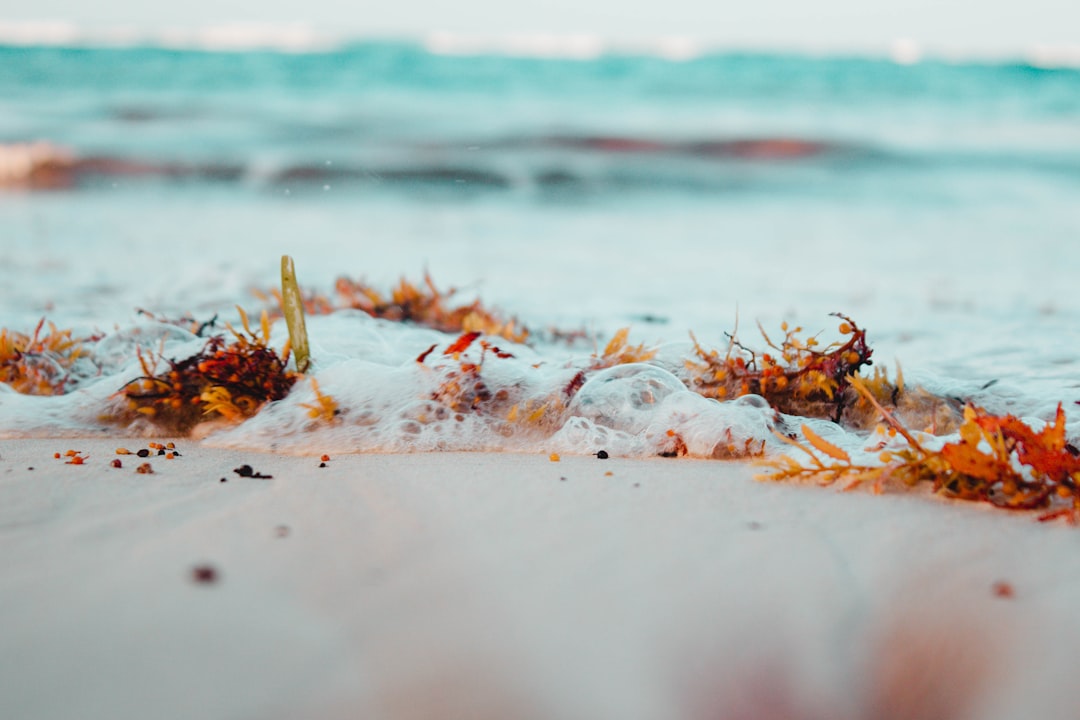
<point>510,586</point>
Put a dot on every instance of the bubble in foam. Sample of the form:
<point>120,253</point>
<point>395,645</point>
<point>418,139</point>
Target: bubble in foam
<point>625,397</point>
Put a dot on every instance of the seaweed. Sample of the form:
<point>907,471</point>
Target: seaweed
<point>429,306</point>
<point>324,408</point>
<point>799,378</point>
<point>998,459</point>
<point>618,351</point>
<point>462,388</point>
<point>222,380</point>
<point>41,364</point>
<point>292,306</point>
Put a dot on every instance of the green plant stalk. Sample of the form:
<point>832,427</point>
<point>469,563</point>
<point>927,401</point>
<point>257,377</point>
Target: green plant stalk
<point>292,305</point>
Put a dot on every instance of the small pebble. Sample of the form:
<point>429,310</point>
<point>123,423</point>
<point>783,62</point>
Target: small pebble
<point>204,574</point>
<point>602,455</point>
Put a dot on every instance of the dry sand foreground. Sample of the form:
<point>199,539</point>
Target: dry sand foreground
<point>486,587</point>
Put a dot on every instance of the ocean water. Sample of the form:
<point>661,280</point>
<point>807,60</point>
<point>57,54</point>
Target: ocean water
<point>936,203</point>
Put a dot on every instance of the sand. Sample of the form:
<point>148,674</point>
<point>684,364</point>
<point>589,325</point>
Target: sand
<point>510,586</point>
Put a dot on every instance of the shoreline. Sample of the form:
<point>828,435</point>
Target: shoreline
<point>485,586</point>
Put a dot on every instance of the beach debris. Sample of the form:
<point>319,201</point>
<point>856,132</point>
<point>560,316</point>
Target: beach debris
<point>74,457</point>
<point>292,306</point>
<point>800,377</point>
<point>41,363</point>
<point>324,408</point>
<point>1003,590</point>
<point>145,469</point>
<point>602,455</point>
<point>204,574</point>
<point>554,457</point>
<point>462,388</point>
<point>421,303</point>
<point>223,380</point>
<point>185,322</point>
<point>425,304</point>
<point>248,472</point>
<point>116,463</point>
<point>997,459</point>
<point>619,352</point>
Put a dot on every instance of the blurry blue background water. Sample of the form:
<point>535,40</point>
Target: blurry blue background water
<point>937,203</point>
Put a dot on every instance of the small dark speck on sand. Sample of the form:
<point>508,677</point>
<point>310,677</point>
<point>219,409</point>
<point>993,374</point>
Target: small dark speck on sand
<point>282,531</point>
<point>602,455</point>
<point>1003,589</point>
<point>322,464</point>
<point>562,478</point>
<point>143,453</point>
<point>637,484</point>
<point>204,574</point>
<point>224,479</point>
<point>29,468</point>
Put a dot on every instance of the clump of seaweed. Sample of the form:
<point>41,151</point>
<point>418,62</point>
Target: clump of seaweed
<point>998,459</point>
<point>40,364</point>
<point>799,378</point>
<point>420,303</point>
<point>427,305</point>
<point>223,380</point>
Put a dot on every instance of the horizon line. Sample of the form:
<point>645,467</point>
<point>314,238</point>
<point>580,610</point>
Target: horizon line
<point>305,38</point>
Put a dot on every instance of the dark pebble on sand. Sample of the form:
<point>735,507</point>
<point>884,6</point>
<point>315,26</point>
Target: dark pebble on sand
<point>143,453</point>
<point>602,455</point>
<point>204,574</point>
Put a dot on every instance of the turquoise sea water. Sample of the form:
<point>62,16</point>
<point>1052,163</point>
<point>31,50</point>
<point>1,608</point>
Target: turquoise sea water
<point>937,203</point>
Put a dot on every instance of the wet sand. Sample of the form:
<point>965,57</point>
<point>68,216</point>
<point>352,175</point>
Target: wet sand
<point>509,586</point>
